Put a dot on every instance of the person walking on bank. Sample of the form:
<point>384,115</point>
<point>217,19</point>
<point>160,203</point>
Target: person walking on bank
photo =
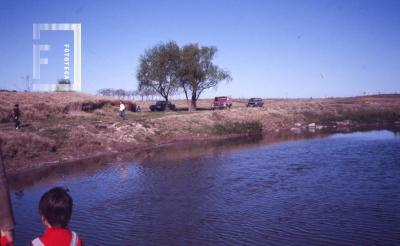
<point>7,222</point>
<point>122,110</point>
<point>16,116</point>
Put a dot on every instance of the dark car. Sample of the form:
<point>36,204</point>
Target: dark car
<point>162,105</point>
<point>221,103</point>
<point>255,102</point>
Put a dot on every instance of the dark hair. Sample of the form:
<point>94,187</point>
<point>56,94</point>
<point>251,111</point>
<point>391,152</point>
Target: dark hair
<point>56,207</point>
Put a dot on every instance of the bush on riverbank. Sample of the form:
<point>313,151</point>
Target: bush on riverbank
<point>245,127</point>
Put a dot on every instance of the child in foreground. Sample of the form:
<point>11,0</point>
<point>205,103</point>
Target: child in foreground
<point>55,208</point>
<point>4,241</point>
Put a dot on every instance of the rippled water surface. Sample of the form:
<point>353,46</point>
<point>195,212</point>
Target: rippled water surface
<point>338,190</point>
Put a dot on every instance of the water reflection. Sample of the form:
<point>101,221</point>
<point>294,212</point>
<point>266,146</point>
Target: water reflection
<point>123,173</point>
<point>172,153</point>
<point>334,189</point>
<point>175,152</point>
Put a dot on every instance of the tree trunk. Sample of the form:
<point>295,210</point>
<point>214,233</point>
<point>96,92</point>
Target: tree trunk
<point>194,102</point>
<point>187,100</point>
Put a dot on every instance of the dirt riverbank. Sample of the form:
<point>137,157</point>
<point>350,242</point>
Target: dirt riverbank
<point>62,127</point>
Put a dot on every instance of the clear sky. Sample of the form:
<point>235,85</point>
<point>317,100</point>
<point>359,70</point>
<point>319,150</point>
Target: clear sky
<point>314,48</point>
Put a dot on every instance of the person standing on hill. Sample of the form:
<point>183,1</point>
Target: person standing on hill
<point>16,116</point>
<point>122,110</point>
<point>7,222</point>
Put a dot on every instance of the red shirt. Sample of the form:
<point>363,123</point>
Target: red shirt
<point>58,237</point>
<point>5,242</point>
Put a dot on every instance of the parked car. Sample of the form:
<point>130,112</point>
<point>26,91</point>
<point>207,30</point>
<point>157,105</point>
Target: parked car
<point>255,102</point>
<point>162,105</point>
<point>221,103</point>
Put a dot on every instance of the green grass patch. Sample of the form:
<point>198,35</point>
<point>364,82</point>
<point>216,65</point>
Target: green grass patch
<point>245,128</point>
<point>58,134</point>
<point>311,116</point>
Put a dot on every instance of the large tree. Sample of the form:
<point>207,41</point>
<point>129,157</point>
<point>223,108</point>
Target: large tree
<point>158,69</point>
<point>198,73</point>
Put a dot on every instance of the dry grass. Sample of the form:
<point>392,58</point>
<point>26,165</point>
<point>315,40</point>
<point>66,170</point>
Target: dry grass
<point>61,126</point>
<point>39,106</point>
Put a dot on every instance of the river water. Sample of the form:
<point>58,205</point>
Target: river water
<point>341,189</point>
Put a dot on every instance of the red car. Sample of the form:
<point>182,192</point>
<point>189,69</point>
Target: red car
<point>221,103</point>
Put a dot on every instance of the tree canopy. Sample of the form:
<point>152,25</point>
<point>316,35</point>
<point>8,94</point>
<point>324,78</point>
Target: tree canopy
<point>158,69</point>
<point>197,71</point>
<point>166,68</point>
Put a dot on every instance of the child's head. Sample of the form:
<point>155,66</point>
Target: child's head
<point>55,207</point>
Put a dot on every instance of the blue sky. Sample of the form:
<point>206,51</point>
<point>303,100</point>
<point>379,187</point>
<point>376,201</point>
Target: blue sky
<point>315,48</point>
